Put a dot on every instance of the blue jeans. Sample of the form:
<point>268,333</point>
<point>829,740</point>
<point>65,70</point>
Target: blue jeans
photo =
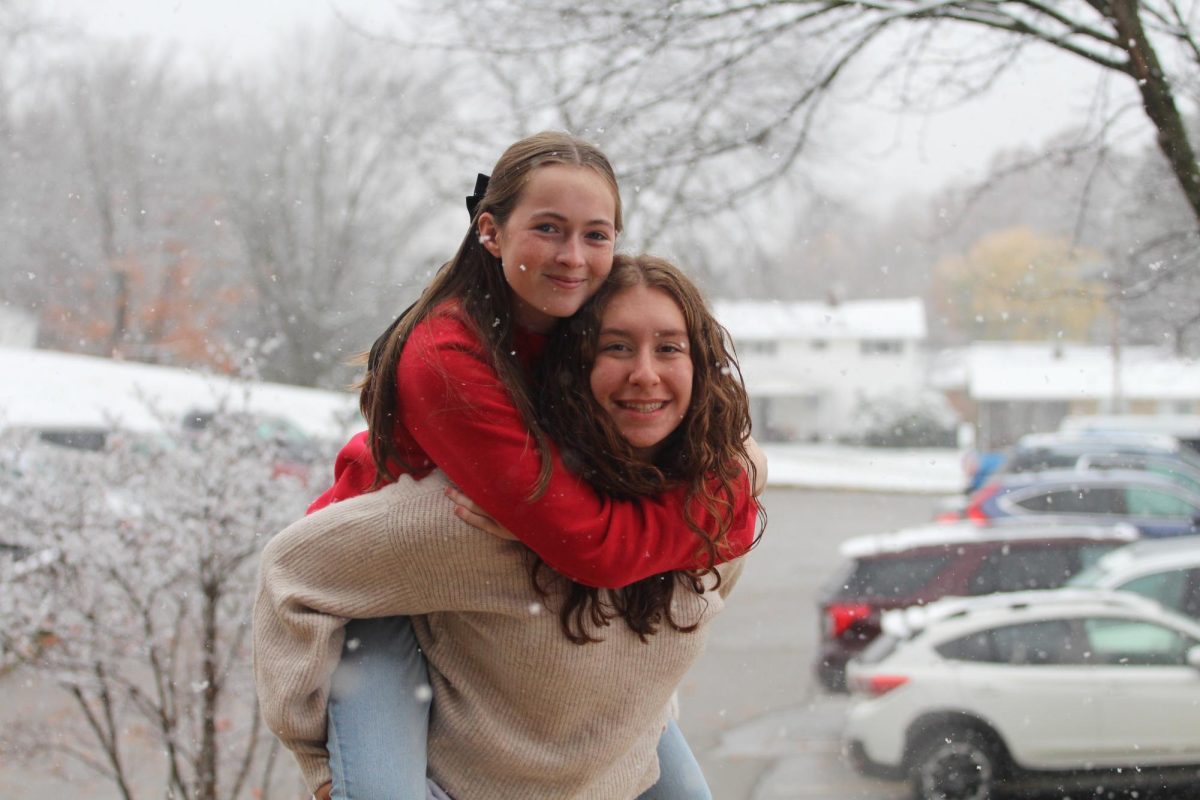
<point>379,713</point>
<point>679,775</point>
<point>379,722</point>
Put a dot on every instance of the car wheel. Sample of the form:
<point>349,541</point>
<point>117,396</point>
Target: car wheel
<point>956,764</point>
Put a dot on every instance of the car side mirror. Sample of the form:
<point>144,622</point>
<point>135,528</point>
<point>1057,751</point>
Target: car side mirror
<point>1193,657</point>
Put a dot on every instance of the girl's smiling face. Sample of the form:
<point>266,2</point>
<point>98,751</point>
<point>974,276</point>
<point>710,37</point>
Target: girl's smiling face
<point>642,374</point>
<point>556,247</point>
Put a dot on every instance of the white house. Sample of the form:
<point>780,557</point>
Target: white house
<point>810,366</point>
<point>1008,389</point>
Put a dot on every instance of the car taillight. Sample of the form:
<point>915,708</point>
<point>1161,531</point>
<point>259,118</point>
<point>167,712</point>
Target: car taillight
<point>877,685</point>
<point>974,510</point>
<point>841,616</point>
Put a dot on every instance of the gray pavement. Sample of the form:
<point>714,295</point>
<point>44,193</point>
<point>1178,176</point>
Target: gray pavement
<point>751,707</point>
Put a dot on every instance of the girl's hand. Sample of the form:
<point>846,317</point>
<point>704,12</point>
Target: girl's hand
<point>466,510</point>
<point>323,791</point>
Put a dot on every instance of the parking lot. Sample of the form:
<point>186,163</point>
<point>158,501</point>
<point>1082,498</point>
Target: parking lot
<point>761,726</point>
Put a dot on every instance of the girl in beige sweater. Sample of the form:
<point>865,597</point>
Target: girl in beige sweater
<point>536,693</point>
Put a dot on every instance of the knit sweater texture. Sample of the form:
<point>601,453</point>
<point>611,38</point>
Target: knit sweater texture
<point>518,710</point>
<point>454,412</point>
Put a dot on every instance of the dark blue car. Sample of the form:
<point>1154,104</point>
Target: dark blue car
<point>1158,506</point>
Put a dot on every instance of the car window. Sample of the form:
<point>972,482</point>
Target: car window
<point>1040,460</point>
<point>1191,595</point>
<point>1165,587</point>
<point>1155,503</point>
<point>1183,479</point>
<point>1083,500</point>
<point>892,577</point>
<point>1015,569</point>
<point>1133,642</point>
<point>973,647</point>
<point>1045,643</point>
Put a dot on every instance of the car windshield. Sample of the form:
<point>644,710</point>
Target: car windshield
<point>893,576</point>
<point>1089,577</point>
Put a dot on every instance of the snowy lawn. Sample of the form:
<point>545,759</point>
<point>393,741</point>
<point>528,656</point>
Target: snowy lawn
<point>873,469</point>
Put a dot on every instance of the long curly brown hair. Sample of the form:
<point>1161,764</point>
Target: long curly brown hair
<point>705,453</point>
<point>476,281</point>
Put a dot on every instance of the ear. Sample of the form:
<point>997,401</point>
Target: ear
<point>489,233</point>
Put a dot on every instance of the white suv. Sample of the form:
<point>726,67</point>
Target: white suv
<point>1166,570</point>
<point>969,695</point>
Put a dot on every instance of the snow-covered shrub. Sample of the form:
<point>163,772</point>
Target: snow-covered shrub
<point>129,581</point>
<point>917,422</point>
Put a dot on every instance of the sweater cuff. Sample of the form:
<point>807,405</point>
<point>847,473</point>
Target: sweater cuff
<point>315,769</point>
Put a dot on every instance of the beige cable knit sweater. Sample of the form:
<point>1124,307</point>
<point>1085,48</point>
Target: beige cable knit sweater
<point>519,711</point>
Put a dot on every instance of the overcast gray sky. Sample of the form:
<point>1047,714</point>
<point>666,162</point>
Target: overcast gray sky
<point>887,155</point>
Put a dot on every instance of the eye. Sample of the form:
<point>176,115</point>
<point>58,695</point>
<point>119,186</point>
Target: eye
<point>545,227</point>
<point>614,347</point>
<point>671,347</point>
<point>599,236</point>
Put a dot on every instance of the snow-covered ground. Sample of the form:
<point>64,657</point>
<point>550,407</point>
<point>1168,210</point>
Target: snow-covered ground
<point>873,469</point>
<point>47,389</point>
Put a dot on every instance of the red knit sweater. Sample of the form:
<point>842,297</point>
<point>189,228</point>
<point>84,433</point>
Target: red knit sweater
<point>455,414</point>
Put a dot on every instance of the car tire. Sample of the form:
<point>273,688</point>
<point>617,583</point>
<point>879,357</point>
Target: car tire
<point>956,764</point>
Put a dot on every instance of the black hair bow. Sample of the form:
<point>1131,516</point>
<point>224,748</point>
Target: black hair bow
<point>481,184</point>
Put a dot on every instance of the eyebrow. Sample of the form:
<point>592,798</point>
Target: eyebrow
<point>562,217</point>
<point>622,332</point>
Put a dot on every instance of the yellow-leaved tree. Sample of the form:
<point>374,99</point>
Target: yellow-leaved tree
<point>1019,284</point>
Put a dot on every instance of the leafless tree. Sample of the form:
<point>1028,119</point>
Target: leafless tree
<point>704,56</point>
<point>107,239</point>
<point>689,129</point>
<point>332,183</point>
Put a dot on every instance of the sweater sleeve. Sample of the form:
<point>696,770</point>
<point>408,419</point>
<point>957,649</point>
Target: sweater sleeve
<point>454,405</point>
<point>397,551</point>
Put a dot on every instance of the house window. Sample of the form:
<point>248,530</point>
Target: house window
<point>877,347</point>
<point>819,344</point>
<point>758,347</point>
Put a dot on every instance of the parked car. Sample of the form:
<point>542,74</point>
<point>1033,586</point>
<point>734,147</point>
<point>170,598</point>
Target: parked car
<point>918,565</point>
<point>970,694</point>
<point>292,451</point>
<point>1156,505</point>
<point>1185,427</point>
<point>1037,452</point>
<point>1164,570</point>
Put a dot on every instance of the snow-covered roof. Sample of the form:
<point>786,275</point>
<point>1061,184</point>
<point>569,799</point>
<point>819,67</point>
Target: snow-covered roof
<point>953,533</point>
<point>997,371</point>
<point>851,319</point>
<point>1150,555</point>
<point>42,388</point>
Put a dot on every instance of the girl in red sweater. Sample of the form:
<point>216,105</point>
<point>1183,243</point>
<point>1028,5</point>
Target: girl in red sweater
<point>447,386</point>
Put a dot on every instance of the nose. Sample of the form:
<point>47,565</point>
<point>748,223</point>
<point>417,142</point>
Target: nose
<point>571,253</point>
<point>642,372</point>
